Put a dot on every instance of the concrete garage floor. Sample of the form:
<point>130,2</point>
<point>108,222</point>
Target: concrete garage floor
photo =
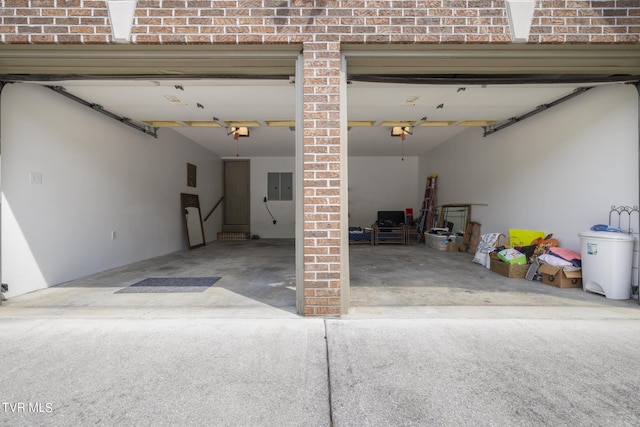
<point>258,279</point>
<point>415,275</point>
<point>519,354</point>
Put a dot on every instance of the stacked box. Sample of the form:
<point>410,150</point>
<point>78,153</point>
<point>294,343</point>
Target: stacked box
<point>559,277</point>
<point>517,271</point>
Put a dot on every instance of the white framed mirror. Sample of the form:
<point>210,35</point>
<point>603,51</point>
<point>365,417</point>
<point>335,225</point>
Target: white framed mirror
<point>192,220</point>
<point>454,217</point>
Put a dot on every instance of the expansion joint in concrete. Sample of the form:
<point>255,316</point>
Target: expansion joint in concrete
<point>326,343</point>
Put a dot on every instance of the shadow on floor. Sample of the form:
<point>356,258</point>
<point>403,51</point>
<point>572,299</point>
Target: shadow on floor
<point>254,274</point>
<point>260,274</point>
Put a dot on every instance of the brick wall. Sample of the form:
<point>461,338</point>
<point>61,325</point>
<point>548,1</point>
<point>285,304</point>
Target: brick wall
<point>295,21</point>
<point>322,175</point>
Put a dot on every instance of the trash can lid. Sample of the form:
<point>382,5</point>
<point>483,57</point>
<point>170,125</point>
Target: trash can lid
<point>606,235</point>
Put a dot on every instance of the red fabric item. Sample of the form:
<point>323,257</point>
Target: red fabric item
<point>566,254</point>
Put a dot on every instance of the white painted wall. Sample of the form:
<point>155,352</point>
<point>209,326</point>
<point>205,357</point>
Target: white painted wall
<point>375,183</point>
<point>559,171</point>
<point>381,184</point>
<point>283,210</point>
<point>98,176</point>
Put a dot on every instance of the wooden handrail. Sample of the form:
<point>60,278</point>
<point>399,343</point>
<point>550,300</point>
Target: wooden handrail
<point>214,208</point>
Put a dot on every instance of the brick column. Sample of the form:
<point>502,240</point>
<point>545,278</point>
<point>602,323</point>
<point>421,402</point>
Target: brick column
<point>323,275</point>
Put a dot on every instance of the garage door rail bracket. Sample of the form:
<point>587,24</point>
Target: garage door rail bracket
<point>149,130</point>
<point>491,129</point>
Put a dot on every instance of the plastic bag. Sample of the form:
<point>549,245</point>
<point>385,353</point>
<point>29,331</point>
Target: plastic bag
<point>488,242</point>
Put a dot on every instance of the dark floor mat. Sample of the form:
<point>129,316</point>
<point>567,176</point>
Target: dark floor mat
<point>170,285</point>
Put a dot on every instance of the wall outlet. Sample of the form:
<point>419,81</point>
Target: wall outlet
<point>35,178</point>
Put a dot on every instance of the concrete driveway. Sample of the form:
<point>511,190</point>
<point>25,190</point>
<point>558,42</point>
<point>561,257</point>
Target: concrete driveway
<point>485,352</point>
<point>435,366</point>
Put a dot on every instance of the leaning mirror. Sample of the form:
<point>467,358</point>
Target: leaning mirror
<point>192,220</point>
<point>454,217</point>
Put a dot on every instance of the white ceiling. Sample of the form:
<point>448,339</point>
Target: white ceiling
<point>260,100</point>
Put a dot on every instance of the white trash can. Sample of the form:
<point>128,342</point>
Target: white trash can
<point>607,260</point>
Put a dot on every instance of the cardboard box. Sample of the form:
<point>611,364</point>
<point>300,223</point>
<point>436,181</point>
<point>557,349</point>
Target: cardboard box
<point>516,271</point>
<point>557,276</point>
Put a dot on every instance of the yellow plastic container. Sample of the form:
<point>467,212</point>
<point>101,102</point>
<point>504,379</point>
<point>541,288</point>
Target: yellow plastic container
<point>519,237</point>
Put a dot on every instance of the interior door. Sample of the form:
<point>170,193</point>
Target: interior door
<point>236,196</point>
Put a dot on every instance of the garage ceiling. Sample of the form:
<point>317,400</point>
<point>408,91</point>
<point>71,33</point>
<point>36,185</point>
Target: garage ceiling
<point>263,101</point>
<point>196,83</point>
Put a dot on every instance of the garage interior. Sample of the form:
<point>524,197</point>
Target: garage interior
<point>85,196</point>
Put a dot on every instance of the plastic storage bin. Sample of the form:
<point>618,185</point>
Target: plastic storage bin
<point>607,260</point>
<point>436,241</point>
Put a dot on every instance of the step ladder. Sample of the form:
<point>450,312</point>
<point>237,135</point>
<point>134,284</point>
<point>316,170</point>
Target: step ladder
<point>428,209</point>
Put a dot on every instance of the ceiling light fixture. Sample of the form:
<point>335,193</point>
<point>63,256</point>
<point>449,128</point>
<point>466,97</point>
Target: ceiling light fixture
<point>401,131</point>
<point>238,131</point>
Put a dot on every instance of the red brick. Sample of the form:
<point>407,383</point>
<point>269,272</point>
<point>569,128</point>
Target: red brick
<point>16,20</point>
<point>32,21</point>
<point>17,39</point>
<point>147,39</point>
<point>81,30</point>
<point>627,38</point>
<point>186,13</point>
<point>477,38</point>
<point>186,30</point>
<point>26,29</point>
<point>69,39</point>
<point>174,21</point>
<point>43,38</point>
<point>172,39</point>
<point>27,12</point>
<point>93,39</point>
<point>54,12</point>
